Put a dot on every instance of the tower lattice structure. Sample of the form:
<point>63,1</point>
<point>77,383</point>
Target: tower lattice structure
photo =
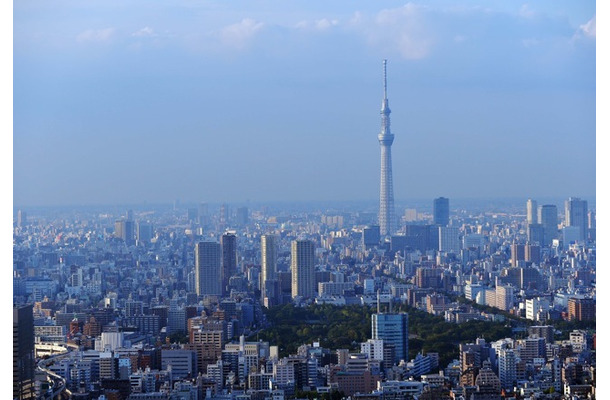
<point>387,220</point>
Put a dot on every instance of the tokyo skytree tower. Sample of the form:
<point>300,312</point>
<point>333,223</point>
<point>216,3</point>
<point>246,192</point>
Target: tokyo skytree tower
<point>387,220</point>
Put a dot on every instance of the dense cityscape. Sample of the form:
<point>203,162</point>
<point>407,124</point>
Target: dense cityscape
<point>436,298</point>
<point>168,302</point>
<point>171,303</point>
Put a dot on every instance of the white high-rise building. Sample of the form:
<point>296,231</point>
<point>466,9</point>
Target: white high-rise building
<point>507,368</point>
<point>373,348</point>
<point>268,260</point>
<point>532,212</point>
<point>536,309</point>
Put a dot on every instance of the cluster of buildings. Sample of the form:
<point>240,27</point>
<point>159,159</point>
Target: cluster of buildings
<point>157,303</point>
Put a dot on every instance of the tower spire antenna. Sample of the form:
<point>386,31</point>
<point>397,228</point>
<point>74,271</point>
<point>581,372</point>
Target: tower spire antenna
<point>385,80</point>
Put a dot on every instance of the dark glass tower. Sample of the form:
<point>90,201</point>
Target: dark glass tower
<point>23,352</point>
<point>441,211</point>
<point>228,242</point>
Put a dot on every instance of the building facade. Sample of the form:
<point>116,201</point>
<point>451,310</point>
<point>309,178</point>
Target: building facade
<point>392,328</point>
<point>302,265</point>
<point>440,211</point>
<point>208,269</point>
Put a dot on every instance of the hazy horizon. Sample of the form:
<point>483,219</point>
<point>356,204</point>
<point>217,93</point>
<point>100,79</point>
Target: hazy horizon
<point>271,101</point>
<point>421,204</point>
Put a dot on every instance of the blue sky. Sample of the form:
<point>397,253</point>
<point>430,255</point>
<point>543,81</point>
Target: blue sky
<point>127,102</point>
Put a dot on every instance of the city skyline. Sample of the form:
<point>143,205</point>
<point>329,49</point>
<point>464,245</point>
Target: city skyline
<point>164,109</point>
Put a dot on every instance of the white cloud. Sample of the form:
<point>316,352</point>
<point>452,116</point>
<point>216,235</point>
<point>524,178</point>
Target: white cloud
<point>588,29</point>
<point>318,25</point>
<point>145,32</point>
<point>96,35</point>
<point>239,34</point>
<point>400,29</point>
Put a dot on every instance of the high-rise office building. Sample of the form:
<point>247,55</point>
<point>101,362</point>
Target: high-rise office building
<point>422,237</point>
<point>208,269</point>
<point>535,233</point>
<point>144,232</point>
<point>124,230</point>
<point>532,211</point>
<point>547,217</point>
<point>517,254</point>
<point>268,261</point>
<point>449,239</point>
<point>392,328</point>
<point>370,236</point>
<point>23,352</point>
<point>576,215</point>
<point>440,211</point>
<point>302,265</point>
<point>387,219</point>
<point>21,218</point>
<point>228,243</point>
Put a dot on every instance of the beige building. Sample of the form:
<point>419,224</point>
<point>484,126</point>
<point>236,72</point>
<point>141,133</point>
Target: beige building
<point>302,265</point>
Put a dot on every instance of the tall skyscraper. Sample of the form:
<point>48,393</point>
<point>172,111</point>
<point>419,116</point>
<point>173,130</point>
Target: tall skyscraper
<point>440,211</point>
<point>223,218</point>
<point>547,216</point>
<point>144,231</point>
<point>124,229</point>
<point>591,219</point>
<point>302,265</point>
<point>21,218</point>
<point>228,243</point>
<point>208,269</point>
<point>576,215</point>
<point>268,261</point>
<point>387,219</point>
<point>393,328</point>
<point>507,367</point>
<point>23,352</point>
<point>532,211</point>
